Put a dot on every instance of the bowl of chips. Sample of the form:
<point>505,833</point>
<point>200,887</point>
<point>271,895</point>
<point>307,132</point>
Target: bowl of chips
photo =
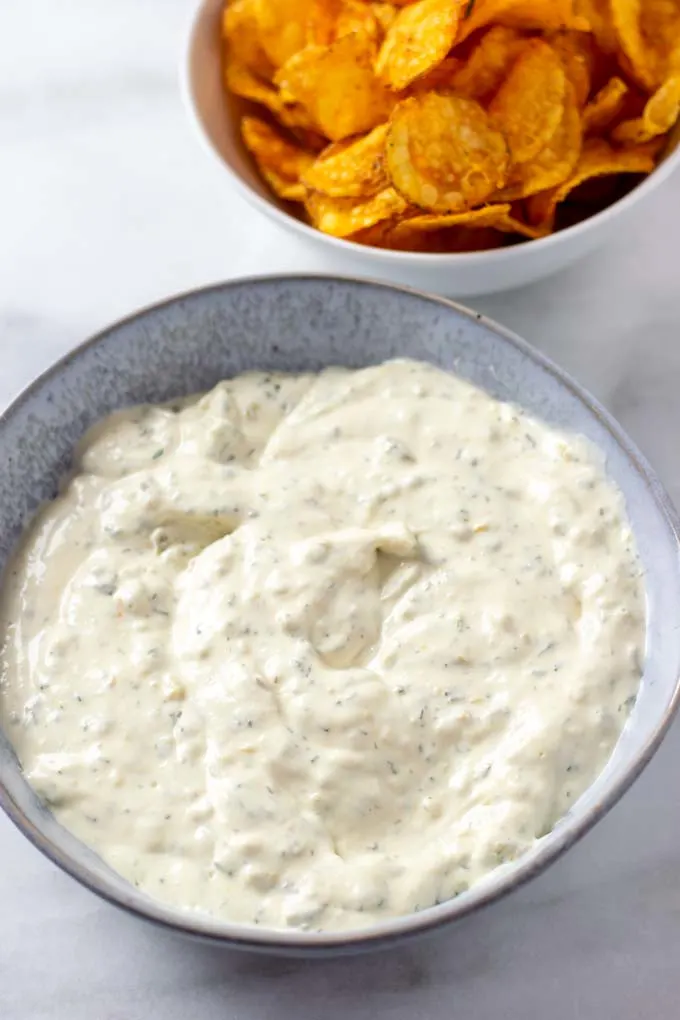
<point>464,146</point>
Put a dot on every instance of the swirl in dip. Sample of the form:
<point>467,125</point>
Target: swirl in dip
<point>315,651</point>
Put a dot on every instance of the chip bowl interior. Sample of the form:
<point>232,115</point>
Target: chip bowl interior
<point>304,323</point>
<point>216,117</point>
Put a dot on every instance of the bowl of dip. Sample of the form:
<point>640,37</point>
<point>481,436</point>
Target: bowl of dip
<point>351,644</point>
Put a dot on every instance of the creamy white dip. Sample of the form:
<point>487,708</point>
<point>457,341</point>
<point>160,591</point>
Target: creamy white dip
<point>316,651</point>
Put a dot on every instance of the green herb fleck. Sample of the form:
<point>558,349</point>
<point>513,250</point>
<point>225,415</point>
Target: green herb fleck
<point>158,453</point>
<point>469,9</point>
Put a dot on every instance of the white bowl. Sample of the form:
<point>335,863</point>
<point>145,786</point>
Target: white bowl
<point>216,116</point>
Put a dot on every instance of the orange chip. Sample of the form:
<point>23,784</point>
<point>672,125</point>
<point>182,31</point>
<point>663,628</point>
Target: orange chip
<point>418,39</point>
<point>658,117</point>
<point>576,52</point>
<point>488,63</point>
<point>555,162</point>
<point>241,32</point>
<point>598,159</point>
<point>499,216</point>
<point>605,106</point>
<point>242,82</point>
<point>354,16</point>
<point>548,15</point>
<point>528,106</point>
<point>338,87</point>
<point>488,215</point>
<point>343,217</point>
<point>287,26</point>
<point>354,169</point>
<point>512,224</point>
<point>444,154</point>
<point>440,77</point>
<point>280,162</point>
<point>598,15</point>
<point>448,240</point>
<point>648,32</point>
<point>384,14</point>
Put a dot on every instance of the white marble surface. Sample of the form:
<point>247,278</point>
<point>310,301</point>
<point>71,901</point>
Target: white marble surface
<point>107,203</point>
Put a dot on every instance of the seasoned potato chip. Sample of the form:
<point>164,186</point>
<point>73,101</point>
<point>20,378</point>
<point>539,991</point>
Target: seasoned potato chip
<point>513,224</point>
<point>354,169</point>
<point>488,63</point>
<point>241,32</point>
<point>528,106</point>
<point>555,162</point>
<point>447,240</point>
<point>648,32</point>
<point>290,191</point>
<point>343,217</point>
<point>418,39</point>
<point>576,52</point>
<point>605,106</point>
<point>355,16</point>
<point>548,15</point>
<point>488,215</point>
<point>287,26</point>
<point>598,15</point>
<point>598,159</point>
<point>384,14</point>
<point>659,115</point>
<point>338,87</point>
<point>444,154</point>
<point>242,82</point>
<point>499,216</point>
<point>438,79</point>
<point>279,161</point>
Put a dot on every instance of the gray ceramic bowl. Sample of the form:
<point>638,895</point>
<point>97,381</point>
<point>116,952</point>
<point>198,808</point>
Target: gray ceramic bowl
<point>190,342</point>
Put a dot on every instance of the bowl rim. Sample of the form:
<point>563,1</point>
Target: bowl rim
<point>392,930</point>
<point>386,256</point>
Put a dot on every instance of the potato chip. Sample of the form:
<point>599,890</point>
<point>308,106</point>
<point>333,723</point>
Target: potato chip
<point>289,191</point>
<point>598,15</point>
<point>447,240</point>
<point>488,215</point>
<point>355,16</point>
<point>528,106</point>
<point>605,106</point>
<point>439,78</point>
<point>555,162</point>
<point>287,26</point>
<point>659,115</point>
<point>354,169</point>
<point>576,52</point>
<point>338,87</point>
<point>648,32</point>
<point>241,33</point>
<point>598,159</point>
<point>444,154</point>
<point>242,82</point>
<point>488,63</point>
<point>548,15</point>
<point>343,217</point>
<point>499,216</point>
<point>513,224</point>
<point>418,39</point>
<point>384,14</point>
<point>279,161</point>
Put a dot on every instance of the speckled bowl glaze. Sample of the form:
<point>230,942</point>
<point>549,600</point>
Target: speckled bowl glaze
<point>188,344</point>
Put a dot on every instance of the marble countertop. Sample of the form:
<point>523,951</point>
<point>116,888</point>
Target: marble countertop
<point>107,203</point>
